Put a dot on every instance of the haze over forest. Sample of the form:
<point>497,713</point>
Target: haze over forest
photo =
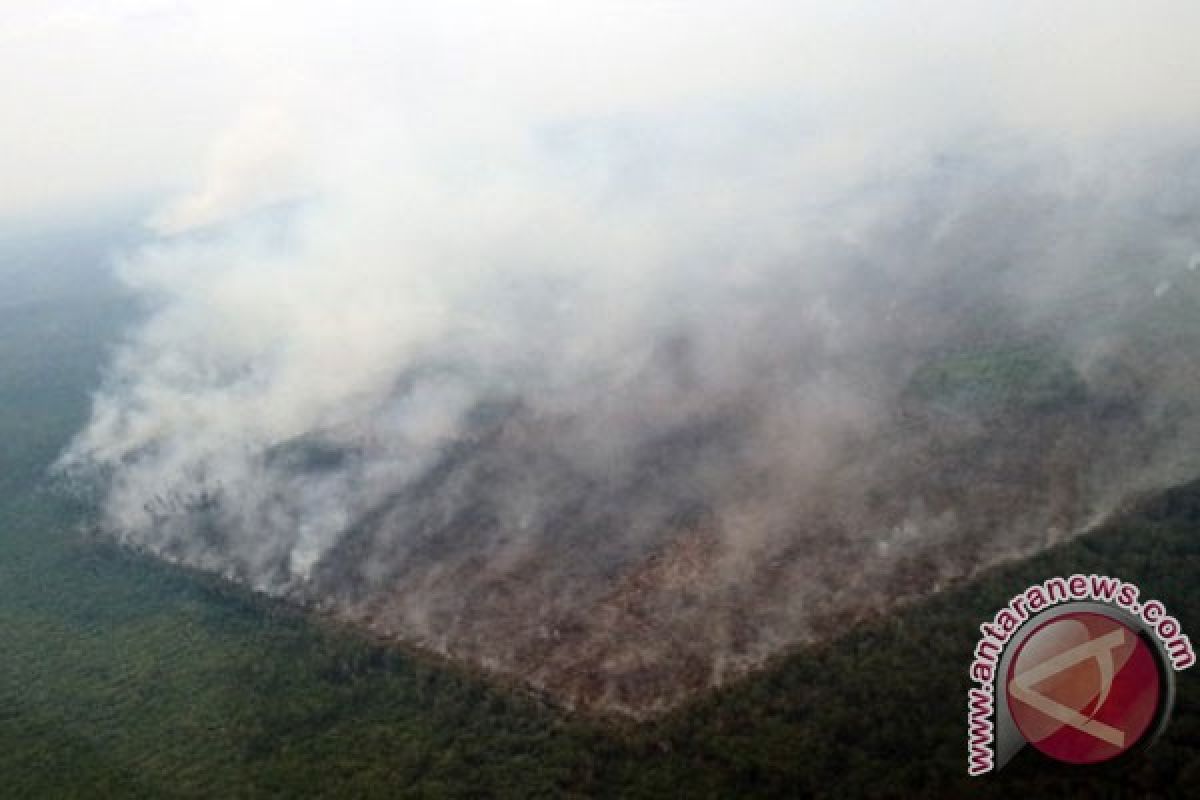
<point>619,347</point>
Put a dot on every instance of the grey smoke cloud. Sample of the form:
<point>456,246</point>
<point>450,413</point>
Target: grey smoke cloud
<point>469,322</point>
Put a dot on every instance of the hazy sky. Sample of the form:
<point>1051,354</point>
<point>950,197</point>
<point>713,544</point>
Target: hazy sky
<point>236,103</point>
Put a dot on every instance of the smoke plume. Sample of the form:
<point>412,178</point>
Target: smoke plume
<point>620,351</point>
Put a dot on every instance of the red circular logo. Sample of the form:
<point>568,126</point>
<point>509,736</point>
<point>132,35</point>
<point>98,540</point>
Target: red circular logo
<point>1083,688</point>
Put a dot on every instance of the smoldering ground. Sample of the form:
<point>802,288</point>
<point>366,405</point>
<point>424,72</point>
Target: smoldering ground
<point>622,397</point>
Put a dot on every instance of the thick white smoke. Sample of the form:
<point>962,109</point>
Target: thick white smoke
<point>461,294</point>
